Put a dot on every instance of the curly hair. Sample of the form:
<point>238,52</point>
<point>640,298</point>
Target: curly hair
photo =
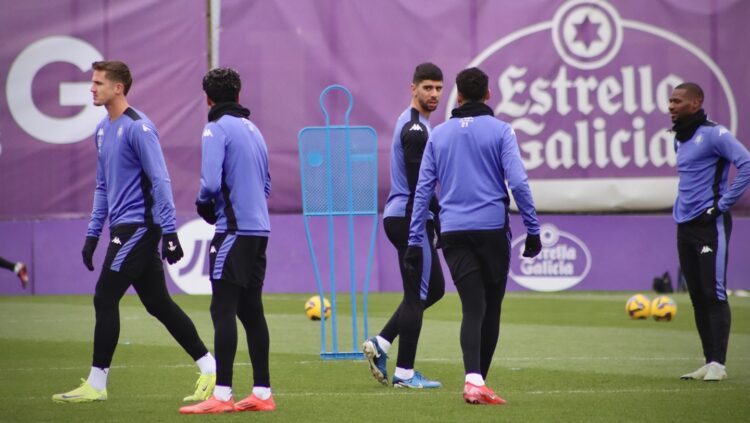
<point>222,84</point>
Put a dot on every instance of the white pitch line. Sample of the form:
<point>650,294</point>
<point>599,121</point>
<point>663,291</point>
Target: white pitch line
<point>393,392</point>
<point>438,360</point>
<point>536,359</point>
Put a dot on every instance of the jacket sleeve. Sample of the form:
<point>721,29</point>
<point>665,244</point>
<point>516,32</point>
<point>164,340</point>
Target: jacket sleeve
<point>728,147</point>
<point>145,142</point>
<point>518,182</point>
<point>212,152</point>
<point>100,209</point>
<point>422,196</point>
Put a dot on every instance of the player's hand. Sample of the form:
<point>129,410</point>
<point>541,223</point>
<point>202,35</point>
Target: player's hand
<point>207,211</point>
<point>533,246</point>
<point>88,252</point>
<point>171,248</point>
<point>709,216</point>
<point>413,261</point>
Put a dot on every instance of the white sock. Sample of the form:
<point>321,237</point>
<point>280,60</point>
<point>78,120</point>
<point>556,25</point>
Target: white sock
<point>207,364</point>
<point>475,379</point>
<point>404,374</point>
<point>384,345</point>
<point>223,393</point>
<point>262,392</point>
<point>98,378</point>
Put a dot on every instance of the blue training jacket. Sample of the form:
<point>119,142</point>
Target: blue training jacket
<point>234,173</point>
<point>132,183</point>
<point>703,169</point>
<point>471,158</point>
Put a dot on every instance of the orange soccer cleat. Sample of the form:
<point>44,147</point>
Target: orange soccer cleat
<point>253,403</point>
<point>481,395</point>
<point>212,405</point>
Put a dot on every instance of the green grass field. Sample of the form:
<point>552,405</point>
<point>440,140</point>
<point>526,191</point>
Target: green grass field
<point>569,357</point>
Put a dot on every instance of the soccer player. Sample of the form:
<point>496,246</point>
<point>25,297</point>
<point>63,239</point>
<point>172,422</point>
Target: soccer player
<point>409,140</point>
<point>134,191</point>
<point>18,268</point>
<point>471,156</point>
<point>235,185</point>
<point>705,151</point>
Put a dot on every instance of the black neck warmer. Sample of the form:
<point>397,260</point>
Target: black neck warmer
<point>227,108</point>
<point>471,109</point>
<point>685,127</point>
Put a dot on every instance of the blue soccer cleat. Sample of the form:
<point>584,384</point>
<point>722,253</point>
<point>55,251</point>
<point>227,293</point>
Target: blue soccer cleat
<point>377,359</point>
<point>418,381</point>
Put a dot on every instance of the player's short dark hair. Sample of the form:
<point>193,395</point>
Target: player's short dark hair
<point>222,85</point>
<point>116,71</point>
<point>426,71</point>
<point>694,90</point>
<point>472,84</point>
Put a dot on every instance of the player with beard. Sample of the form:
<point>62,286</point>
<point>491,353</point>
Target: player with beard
<point>409,140</point>
<point>705,151</point>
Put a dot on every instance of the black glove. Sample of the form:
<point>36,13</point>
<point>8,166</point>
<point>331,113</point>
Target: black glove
<point>207,211</point>
<point>533,246</point>
<point>88,252</point>
<point>171,248</point>
<point>413,261</point>
<point>709,216</point>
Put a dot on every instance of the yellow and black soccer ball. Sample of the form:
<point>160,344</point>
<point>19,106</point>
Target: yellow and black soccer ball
<point>663,309</point>
<point>312,308</point>
<point>638,307</point>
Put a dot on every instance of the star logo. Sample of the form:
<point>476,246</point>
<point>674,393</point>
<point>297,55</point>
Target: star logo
<point>586,33</point>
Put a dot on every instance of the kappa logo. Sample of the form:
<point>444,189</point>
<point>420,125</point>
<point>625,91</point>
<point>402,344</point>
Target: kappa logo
<point>706,250</point>
<point>722,130</point>
<point>116,240</point>
<point>212,250</point>
<point>207,133</point>
<point>699,139</point>
<point>99,136</point>
<point>119,132</point>
<point>145,128</point>
<point>416,127</point>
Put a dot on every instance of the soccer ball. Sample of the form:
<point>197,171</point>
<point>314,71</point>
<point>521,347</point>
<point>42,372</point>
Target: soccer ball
<point>638,307</point>
<point>312,308</point>
<point>663,309</point>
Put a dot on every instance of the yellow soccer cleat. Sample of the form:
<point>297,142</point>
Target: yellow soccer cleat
<point>204,388</point>
<point>84,393</point>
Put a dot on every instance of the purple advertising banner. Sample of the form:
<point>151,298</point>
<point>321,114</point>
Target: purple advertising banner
<point>584,84</point>
<point>47,119</point>
<point>598,252</point>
